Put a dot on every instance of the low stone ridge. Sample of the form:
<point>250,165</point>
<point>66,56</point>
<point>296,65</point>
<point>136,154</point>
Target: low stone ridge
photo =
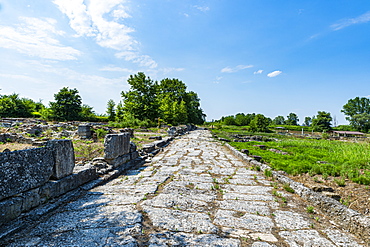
<point>24,170</point>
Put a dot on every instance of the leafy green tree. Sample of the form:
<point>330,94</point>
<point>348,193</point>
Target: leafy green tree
<point>67,105</point>
<point>279,120</point>
<point>166,109</point>
<point>141,99</point>
<point>111,110</point>
<point>307,121</point>
<point>357,111</point>
<point>14,106</point>
<point>87,113</point>
<point>120,113</point>
<point>195,113</point>
<point>361,122</point>
<point>180,112</point>
<point>322,121</point>
<point>241,119</point>
<point>260,123</point>
<point>292,119</point>
<point>229,120</point>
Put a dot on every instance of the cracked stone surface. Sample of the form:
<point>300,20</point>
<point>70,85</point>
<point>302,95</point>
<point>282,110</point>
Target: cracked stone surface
<point>193,193</point>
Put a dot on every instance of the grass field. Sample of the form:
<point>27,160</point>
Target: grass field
<point>327,157</point>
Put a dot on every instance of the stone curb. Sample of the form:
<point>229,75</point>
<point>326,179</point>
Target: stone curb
<point>348,219</point>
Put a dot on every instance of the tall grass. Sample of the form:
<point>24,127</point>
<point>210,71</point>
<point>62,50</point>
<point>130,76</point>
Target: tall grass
<point>350,160</point>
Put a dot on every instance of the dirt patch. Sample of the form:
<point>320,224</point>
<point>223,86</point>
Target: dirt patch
<point>15,146</point>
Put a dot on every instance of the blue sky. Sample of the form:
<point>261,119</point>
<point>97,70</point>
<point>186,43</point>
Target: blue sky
<point>266,56</point>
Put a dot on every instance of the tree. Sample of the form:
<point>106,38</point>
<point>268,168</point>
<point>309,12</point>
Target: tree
<point>292,119</point>
<point>14,106</point>
<point>322,121</point>
<point>229,120</point>
<point>67,105</point>
<point>111,110</point>
<point>241,119</point>
<point>279,120</point>
<point>357,111</point>
<point>361,122</point>
<point>87,113</point>
<point>259,124</point>
<point>120,114</point>
<point>195,113</point>
<point>307,121</point>
<point>141,99</point>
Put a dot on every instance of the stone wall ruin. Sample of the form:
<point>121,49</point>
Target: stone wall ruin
<point>29,178</point>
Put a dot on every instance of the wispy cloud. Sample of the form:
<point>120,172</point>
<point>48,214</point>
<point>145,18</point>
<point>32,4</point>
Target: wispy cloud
<point>235,69</point>
<point>274,73</point>
<point>351,21</point>
<point>170,70</point>
<point>202,8</point>
<point>36,37</point>
<point>218,79</point>
<point>116,69</point>
<point>260,71</point>
<point>102,20</point>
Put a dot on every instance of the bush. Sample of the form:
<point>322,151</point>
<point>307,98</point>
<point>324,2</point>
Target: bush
<point>101,133</point>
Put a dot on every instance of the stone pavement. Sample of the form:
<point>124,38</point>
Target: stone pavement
<point>194,193</point>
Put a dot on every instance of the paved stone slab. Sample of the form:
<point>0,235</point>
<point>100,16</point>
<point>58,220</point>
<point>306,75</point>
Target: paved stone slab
<point>252,207</point>
<point>119,236</point>
<point>340,238</point>
<point>305,238</point>
<point>184,239</point>
<point>247,197</point>
<point>177,202</point>
<point>290,220</point>
<point>246,221</point>
<point>257,190</point>
<point>176,220</point>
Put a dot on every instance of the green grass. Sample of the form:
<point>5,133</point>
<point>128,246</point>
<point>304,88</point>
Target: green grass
<point>347,159</point>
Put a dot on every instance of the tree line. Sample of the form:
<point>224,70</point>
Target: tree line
<point>357,112</point>
<point>166,101</point>
<point>147,103</point>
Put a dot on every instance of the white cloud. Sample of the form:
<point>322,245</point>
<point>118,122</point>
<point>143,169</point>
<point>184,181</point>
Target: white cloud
<point>274,73</point>
<point>202,8</point>
<point>116,69</point>
<point>235,69</point>
<point>260,71</point>
<point>36,37</point>
<point>170,70</point>
<point>135,57</point>
<point>218,79</point>
<point>351,21</point>
<point>102,20</point>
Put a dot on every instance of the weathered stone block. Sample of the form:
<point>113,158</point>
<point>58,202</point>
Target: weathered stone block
<point>160,143</point>
<point>133,147</point>
<point>30,199</point>
<point>56,188</point>
<point>64,158</point>
<point>134,155</point>
<point>84,131</point>
<point>149,147</point>
<point>24,170</point>
<point>116,145</point>
<point>121,160</point>
<point>10,209</point>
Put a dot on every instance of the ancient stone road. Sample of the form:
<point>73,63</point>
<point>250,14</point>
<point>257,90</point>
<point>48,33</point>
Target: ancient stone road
<point>194,193</point>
